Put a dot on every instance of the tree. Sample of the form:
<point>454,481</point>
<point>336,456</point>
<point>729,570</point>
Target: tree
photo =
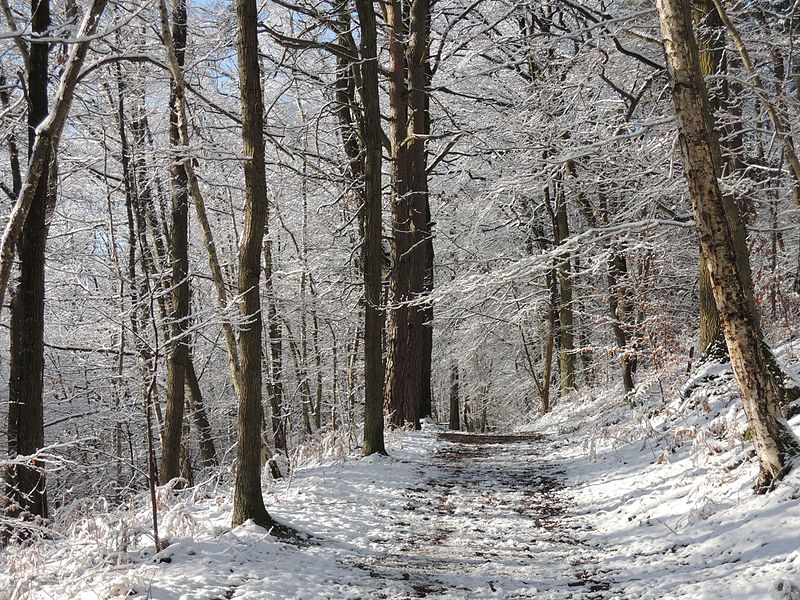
<point>178,356</point>
<point>371,255</point>
<point>248,500</point>
<point>566,338</point>
<point>409,75</point>
<point>27,230</point>
<point>26,485</point>
<point>716,217</point>
<point>454,397</point>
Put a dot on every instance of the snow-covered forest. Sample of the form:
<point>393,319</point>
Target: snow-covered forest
<point>411,298</point>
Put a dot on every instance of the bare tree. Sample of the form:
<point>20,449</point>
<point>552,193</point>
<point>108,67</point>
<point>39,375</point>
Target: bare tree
<point>716,217</point>
<point>27,231</point>
<point>178,352</point>
<point>248,500</point>
<point>26,485</point>
<point>407,349</point>
<point>371,255</point>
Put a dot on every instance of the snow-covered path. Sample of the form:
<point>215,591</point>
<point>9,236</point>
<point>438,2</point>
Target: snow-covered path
<point>490,515</point>
<point>445,516</point>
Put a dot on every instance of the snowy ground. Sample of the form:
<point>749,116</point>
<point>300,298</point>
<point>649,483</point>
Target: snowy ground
<point>437,518</point>
<point>593,510</point>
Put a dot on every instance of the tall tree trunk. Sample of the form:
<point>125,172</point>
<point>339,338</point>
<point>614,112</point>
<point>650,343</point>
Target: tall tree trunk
<point>426,400</point>
<point>355,150</point>
<point>178,350</point>
<point>334,377</point>
<point>275,386</point>
<point>617,270</point>
<point>248,500</point>
<point>26,484</point>
<point>410,229</point>
<point>142,299</point>
<point>217,275</point>
<point>371,255</point>
<point>352,356</point>
<point>716,215</point>
<point>318,365</point>
<point>454,397</point>
<point>302,359</point>
<point>711,43</point>
<point>552,320</point>
<point>140,176</point>
<point>421,75</point>
<point>566,346</point>
<point>147,359</point>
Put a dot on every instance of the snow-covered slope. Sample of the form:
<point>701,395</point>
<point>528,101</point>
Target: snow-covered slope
<point>668,490</point>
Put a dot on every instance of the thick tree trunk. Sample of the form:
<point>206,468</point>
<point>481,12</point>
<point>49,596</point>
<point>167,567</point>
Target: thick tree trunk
<point>406,347</point>
<point>248,502</point>
<point>371,256</point>
<point>178,350</point>
<point>26,492</point>
<point>712,61</point>
<point>776,445</point>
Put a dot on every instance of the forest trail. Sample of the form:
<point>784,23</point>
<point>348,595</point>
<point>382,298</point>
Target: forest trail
<point>490,517</point>
<point>448,516</point>
<point>445,515</point>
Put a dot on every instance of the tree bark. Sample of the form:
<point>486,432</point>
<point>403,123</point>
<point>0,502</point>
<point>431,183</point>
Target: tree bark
<point>275,386</point>
<point>248,500</point>
<point>420,63</point>
<point>711,46</point>
<point>11,142</point>
<point>178,350</point>
<point>371,255</point>
<point>775,444</point>
<point>454,397</point>
<point>406,348</point>
<point>26,493</point>
<point>208,452</point>
<point>566,346</point>
<point>617,270</point>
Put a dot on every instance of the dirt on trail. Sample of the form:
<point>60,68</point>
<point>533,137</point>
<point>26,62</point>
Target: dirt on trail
<point>492,518</point>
